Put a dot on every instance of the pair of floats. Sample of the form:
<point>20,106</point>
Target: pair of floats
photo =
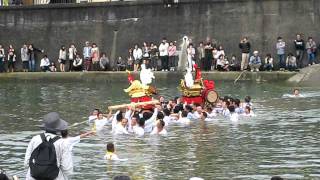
<point>194,90</point>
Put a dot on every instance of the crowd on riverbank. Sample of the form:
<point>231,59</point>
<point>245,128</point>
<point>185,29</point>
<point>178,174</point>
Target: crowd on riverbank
<point>208,55</point>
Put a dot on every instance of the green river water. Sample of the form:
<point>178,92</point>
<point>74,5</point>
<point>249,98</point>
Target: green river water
<point>283,139</point>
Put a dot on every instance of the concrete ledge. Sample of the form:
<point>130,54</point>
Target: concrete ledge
<point>160,76</point>
<point>106,4</point>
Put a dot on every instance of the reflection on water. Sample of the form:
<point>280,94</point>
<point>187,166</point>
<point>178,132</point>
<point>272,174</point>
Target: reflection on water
<point>282,140</point>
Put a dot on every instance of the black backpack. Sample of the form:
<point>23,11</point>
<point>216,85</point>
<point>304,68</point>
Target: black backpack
<point>43,160</point>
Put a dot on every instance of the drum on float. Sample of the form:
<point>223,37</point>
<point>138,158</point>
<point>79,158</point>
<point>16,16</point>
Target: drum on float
<point>211,96</point>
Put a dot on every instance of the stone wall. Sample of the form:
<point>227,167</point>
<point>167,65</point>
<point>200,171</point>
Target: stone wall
<point>117,26</point>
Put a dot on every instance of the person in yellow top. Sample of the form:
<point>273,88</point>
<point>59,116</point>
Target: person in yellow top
<point>110,155</point>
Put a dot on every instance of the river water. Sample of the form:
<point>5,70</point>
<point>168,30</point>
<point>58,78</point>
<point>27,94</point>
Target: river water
<point>282,140</point>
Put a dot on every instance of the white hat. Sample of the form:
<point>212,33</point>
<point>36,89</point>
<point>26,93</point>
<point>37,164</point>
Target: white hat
<point>255,52</point>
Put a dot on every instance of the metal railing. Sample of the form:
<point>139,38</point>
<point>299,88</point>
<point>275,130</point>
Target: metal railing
<point>39,2</point>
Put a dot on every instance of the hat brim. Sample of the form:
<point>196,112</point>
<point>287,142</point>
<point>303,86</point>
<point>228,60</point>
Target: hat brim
<point>61,126</point>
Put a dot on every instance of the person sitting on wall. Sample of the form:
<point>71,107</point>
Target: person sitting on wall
<point>44,64</point>
<point>104,62</point>
<point>233,64</point>
<point>52,67</point>
<point>222,63</point>
<point>121,65</point>
<point>291,62</point>
<point>255,62</point>
<point>268,63</point>
<point>77,63</point>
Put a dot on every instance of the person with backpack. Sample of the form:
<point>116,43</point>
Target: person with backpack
<point>48,156</point>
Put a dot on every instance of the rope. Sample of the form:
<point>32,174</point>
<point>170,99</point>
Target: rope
<point>235,81</point>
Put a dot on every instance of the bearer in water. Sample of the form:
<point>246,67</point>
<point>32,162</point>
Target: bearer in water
<point>296,93</point>
<point>111,155</point>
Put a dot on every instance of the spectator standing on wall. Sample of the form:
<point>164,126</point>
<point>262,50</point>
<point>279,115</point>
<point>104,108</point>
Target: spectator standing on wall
<point>62,58</point>
<point>146,51</point>
<point>208,56</point>
<point>154,56</point>
<point>164,55</point>
<point>172,56</point>
<point>104,62</point>
<point>137,55</point>
<point>281,45</point>
<point>32,57</point>
<point>255,62</point>
<point>71,56</point>
<point>291,62</point>
<point>245,47</point>
<point>2,57</point>
<point>130,60</point>
<point>44,64</point>
<point>77,63</point>
<point>299,46</point>
<point>24,58</point>
<point>190,55</point>
<point>95,54</point>
<point>87,56</point>
<point>11,58</point>
<point>268,62</point>
<point>201,55</point>
<point>311,48</point>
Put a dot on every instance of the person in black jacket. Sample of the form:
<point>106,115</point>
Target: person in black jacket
<point>299,44</point>
<point>32,57</point>
<point>245,47</point>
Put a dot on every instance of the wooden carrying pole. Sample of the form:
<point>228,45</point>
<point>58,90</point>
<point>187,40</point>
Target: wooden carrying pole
<point>123,106</point>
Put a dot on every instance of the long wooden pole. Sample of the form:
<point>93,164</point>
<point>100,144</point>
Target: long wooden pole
<point>122,106</point>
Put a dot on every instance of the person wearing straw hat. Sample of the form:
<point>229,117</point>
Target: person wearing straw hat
<point>52,124</point>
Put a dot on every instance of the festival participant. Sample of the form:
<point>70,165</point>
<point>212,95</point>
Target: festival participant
<point>150,119</point>
<point>139,129</point>
<point>52,124</point>
<point>248,112</point>
<point>238,109</point>
<point>210,113</point>
<point>203,116</point>
<point>247,102</point>
<point>296,93</point>
<point>100,122</point>
<point>225,111</point>
<point>277,178</point>
<point>218,108</point>
<point>189,110</point>
<point>233,115</point>
<point>93,115</point>
<point>197,113</point>
<point>159,130</point>
<point>184,118</point>
<point>72,141</point>
<point>119,124</point>
<point>167,118</point>
<point>110,154</point>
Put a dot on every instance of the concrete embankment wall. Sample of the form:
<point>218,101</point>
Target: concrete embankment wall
<point>161,77</point>
<point>116,26</point>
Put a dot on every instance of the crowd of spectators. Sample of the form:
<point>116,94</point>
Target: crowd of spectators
<point>162,56</point>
